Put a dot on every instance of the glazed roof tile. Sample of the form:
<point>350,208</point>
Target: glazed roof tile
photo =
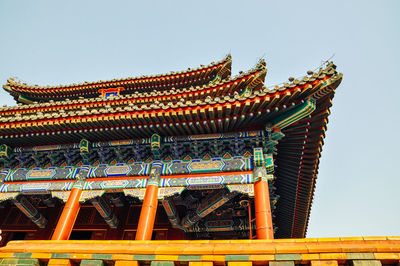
<point>198,76</point>
<point>218,89</point>
<point>230,112</point>
<point>298,152</point>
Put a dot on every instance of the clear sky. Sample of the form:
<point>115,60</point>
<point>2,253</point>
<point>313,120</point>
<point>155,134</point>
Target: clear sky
<point>358,187</point>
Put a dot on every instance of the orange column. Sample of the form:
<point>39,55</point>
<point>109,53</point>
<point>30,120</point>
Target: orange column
<point>148,213</point>
<point>68,215</point>
<point>263,210</point>
<point>150,203</point>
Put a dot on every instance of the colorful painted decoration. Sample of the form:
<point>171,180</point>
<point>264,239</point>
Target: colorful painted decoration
<point>111,92</point>
<point>295,114</point>
<point>203,143</point>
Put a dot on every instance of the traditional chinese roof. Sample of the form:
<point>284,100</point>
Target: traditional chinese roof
<point>231,112</point>
<point>25,93</point>
<point>175,113</point>
<point>228,105</point>
<point>219,88</point>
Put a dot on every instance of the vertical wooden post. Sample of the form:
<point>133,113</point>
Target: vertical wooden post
<point>263,210</point>
<point>68,216</point>
<point>150,203</point>
<point>148,214</point>
<point>264,224</point>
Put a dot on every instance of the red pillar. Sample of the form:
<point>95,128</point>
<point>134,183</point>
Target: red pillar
<point>68,216</point>
<point>148,213</point>
<point>263,210</point>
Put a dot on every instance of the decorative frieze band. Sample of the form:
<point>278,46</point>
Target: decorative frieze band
<point>195,182</point>
<point>175,167</point>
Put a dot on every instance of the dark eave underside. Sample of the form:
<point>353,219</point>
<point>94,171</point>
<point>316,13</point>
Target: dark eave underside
<point>297,168</point>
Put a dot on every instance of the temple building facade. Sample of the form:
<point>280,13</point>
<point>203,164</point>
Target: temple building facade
<point>195,167</point>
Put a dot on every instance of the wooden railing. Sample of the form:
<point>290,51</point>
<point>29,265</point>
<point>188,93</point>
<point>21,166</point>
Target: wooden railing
<point>356,251</point>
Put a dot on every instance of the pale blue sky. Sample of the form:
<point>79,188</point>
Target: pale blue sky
<point>358,187</point>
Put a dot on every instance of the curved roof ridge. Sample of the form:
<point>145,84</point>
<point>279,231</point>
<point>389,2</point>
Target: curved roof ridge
<point>12,83</point>
<point>259,67</point>
<point>329,69</point>
<point>335,77</point>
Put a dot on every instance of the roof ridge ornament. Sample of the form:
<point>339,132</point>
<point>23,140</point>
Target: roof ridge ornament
<point>196,76</point>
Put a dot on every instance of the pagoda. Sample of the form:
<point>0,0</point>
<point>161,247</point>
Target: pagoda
<point>189,155</point>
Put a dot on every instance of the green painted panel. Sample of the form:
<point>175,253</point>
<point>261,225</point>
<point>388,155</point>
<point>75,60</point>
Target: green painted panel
<point>287,257</point>
<point>281,263</point>
<point>162,263</point>
<point>61,255</point>
<point>16,261</point>
<point>367,263</point>
<point>144,257</point>
<point>237,257</point>
<point>189,258</point>
<point>92,263</point>
<point>102,256</point>
<point>360,256</point>
<point>27,255</point>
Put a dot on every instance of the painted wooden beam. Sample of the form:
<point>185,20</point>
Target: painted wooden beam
<point>295,114</point>
<point>105,211</point>
<point>24,205</point>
